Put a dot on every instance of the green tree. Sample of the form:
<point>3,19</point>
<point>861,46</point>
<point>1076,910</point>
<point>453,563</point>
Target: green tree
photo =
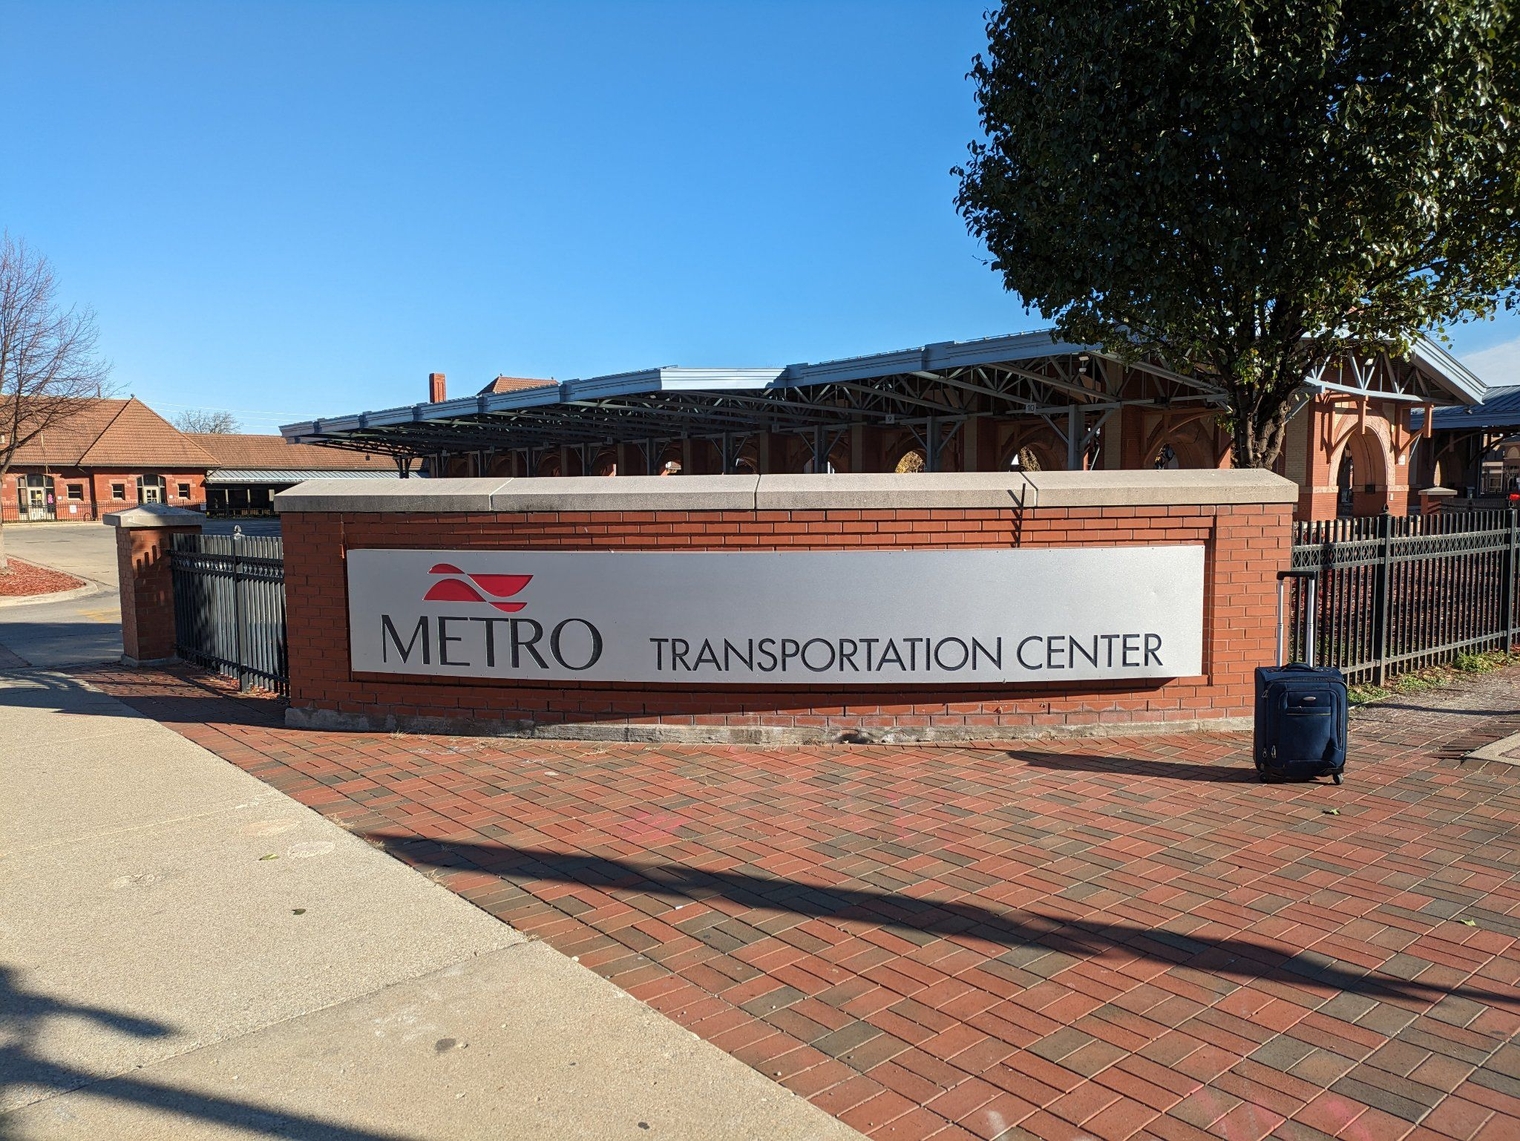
<point>1250,189</point>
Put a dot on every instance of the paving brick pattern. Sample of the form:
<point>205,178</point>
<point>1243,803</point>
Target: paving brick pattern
<point>1080,939</point>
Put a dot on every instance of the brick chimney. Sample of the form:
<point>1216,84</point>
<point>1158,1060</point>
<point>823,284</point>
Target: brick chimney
<point>437,390</point>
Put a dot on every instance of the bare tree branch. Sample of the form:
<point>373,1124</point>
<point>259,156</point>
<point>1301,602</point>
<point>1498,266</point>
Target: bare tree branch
<point>48,358</point>
<point>202,421</point>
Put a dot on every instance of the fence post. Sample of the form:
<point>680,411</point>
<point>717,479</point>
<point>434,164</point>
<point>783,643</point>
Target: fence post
<point>144,536</point>
<point>1382,590</point>
<point>1509,582</point>
<point>237,608</point>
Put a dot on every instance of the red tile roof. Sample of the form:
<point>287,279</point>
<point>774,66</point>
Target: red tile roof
<point>272,453</point>
<point>514,384</point>
<point>114,433</point>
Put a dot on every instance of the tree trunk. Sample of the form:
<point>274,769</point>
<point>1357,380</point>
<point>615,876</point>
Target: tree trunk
<point>1260,423</point>
<point>5,467</point>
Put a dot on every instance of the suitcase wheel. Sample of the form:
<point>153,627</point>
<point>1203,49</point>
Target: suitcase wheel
<point>1336,777</point>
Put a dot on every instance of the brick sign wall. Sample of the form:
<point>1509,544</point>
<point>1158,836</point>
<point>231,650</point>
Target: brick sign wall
<point>1246,542</point>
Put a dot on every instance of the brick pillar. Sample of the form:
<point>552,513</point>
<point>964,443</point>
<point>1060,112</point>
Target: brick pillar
<point>147,590</point>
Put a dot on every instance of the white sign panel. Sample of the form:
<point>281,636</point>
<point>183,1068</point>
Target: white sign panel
<point>780,618</point>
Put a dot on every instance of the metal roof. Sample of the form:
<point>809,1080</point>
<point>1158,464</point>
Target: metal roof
<point>1033,374</point>
<point>1500,409</point>
<point>291,475</point>
<point>1457,374</point>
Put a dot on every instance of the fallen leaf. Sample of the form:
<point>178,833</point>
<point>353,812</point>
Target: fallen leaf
<point>1331,811</point>
<point>271,856</point>
<point>1467,922</point>
<point>298,911</point>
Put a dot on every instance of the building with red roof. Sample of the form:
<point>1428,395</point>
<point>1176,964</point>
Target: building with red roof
<point>113,454</point>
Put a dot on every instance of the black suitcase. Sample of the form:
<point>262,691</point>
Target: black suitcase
<point>1301,721</point>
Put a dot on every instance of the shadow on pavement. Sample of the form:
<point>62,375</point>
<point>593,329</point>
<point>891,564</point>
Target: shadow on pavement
<point>32,688</point>
<point>1377,705</point>
<point>55,644</point>
<point>201,706</point>
<point>22,1013</point>
<point>223,709</point>
<point>1224,773</point>
<point>1230,958</point>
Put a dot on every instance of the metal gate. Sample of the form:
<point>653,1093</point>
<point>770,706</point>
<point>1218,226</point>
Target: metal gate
<point>1397,595</point>
<point>229,606</point>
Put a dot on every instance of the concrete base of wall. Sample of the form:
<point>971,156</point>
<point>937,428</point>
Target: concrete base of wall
<point>333,721</point>
<point>138,663</point>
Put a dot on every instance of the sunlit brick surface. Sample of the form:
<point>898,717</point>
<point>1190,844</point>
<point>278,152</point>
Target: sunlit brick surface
<point>1103,939</point>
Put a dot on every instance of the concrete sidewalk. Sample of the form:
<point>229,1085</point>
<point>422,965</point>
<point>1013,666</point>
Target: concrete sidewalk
<point>190,953</point>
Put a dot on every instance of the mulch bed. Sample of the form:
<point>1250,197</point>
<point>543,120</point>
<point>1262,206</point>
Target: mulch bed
<point>22,580</point>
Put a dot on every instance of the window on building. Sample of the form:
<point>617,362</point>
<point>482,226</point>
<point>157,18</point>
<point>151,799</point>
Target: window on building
<point>184,491</point>
<point>118,491</point>
<point>151,489</point>
<point>76,491</point>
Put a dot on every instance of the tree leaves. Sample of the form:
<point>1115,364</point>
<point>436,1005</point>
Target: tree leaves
<point>1250,190</point>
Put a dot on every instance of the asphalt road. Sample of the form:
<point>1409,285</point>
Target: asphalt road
<point>85,630</point>
<point>77,631</point>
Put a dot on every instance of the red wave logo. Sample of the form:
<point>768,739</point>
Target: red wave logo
<point>458,590</point>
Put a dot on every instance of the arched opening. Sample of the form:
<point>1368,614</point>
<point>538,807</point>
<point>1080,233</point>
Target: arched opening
<point>1345,486</point>
<point>670,461</point>
<point>1176,446</point>
<point>1033,453</point>
<point>549,465</point>
<point>1361,475</point>
<point>910,461</point>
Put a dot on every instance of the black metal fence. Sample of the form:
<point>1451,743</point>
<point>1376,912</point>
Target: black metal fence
<point>229,606</point>
<point>1397,595</point>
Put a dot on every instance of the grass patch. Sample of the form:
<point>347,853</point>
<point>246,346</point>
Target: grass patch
<point>1432,677</point>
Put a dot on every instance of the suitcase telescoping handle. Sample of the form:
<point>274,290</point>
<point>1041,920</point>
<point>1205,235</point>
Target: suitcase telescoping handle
<point>1312,577</point>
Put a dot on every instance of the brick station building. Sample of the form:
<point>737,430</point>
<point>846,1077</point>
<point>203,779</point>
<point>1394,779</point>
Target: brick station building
<point>108,456</point>
<point>111,455</point>
<point>1025,401</point>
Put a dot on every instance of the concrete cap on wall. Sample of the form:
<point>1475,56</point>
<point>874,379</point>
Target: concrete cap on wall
<point>629,493</point>
<point>1160,488</point>
<point>918,490</point>
<point>158,515</point>
<point>870,492</point>
<point>430,495</point>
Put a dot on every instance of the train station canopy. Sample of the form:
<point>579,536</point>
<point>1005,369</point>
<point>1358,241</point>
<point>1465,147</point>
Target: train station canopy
<point>1500,409</point>
<point>1075,388</point>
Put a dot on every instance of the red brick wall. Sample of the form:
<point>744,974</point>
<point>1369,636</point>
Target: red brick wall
<point>102,481</point>
<point>1247,545</point>
<point>147,591</point>
<point>96,484</point>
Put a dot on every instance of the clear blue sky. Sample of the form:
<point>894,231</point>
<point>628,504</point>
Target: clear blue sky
<point>300,209</point>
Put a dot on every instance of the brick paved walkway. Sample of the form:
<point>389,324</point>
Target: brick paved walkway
<point>1102,938</point>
